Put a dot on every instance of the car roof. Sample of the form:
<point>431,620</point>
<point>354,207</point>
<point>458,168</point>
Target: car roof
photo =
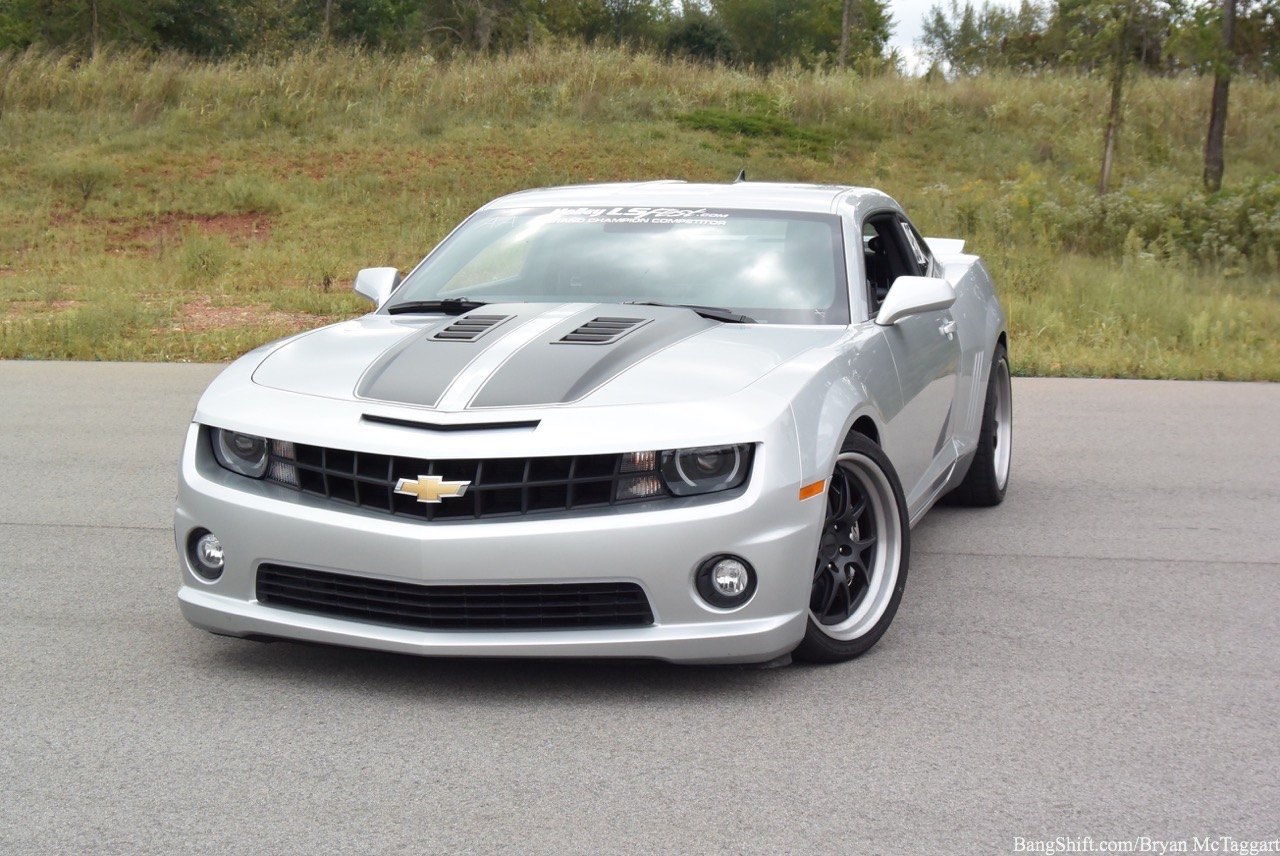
<point>760,195</point>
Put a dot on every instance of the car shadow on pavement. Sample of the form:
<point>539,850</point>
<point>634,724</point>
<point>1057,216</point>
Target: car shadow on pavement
<point>336,668</point>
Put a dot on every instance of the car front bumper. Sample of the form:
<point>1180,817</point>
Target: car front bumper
<point>657,546</point>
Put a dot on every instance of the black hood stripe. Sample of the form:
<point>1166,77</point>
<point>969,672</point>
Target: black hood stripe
<point>525,361</point>
<point>420,368</point>
<point>507,347</point>
<point>549,370</point>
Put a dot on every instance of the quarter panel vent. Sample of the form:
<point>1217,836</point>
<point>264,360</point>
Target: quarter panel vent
<point>602,331</point>
<point>468,328</point>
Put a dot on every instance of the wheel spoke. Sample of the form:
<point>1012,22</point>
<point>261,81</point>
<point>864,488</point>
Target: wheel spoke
<point>837,499</point>
<point>833,589</point>
<point>847,596</point>
<point>865,571</point>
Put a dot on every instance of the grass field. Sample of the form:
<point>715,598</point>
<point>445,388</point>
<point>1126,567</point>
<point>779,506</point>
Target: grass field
<point>166,209</point>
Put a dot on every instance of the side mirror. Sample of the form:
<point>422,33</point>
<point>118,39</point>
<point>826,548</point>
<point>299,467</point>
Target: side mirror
<point>377,283</point>
<point>913,295</point>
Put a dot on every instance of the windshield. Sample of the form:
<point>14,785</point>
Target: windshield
<point>773,266</point>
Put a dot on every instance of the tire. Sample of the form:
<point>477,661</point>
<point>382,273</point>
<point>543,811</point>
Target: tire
<point>861,567</point>
<point>988,477</point>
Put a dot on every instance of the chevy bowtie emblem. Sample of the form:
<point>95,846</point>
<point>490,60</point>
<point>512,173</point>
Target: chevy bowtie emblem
<point>431,488</point>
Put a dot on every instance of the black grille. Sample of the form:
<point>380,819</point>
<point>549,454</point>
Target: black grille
<point>469,328</point>
<point>601,331</point>
<point>497,487</point>
<point>470,607</point>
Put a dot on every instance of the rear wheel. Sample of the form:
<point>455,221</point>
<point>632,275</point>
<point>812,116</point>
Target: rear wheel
<point>988,476</point>
<point>861,567</point>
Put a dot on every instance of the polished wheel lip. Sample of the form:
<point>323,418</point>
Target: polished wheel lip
<point>1003,414</point>
<point>887,560</point>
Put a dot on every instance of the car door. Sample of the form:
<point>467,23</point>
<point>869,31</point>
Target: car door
<point>926,355</point>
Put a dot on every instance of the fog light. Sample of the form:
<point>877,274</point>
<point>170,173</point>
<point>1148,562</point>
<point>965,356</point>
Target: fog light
<point>206,554</point>
<point>729,577</point>
<point>726,581</point>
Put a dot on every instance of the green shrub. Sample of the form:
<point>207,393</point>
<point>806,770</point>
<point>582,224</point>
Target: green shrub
<point>203,257</point>
<point>253,195</point>
<point>80,176</point>
<point>1237,229</point>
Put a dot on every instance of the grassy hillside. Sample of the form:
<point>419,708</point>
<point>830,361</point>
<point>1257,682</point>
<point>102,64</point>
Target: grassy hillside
<point>174,210</point>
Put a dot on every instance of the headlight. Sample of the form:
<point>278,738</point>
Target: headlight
<point>241,453</point>
<point>682,472</point>
<point>705,470</point>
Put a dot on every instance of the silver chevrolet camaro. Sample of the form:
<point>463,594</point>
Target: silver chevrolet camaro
<point>692,422</point>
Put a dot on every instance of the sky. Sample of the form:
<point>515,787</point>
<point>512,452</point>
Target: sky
<point>908,18</point>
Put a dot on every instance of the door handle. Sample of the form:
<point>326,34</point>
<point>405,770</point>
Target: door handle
<point>948,328</point>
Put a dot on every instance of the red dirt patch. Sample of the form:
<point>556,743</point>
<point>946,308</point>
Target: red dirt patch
<point>201,316</point>
<point>167,229</point>
<point>16,309</point>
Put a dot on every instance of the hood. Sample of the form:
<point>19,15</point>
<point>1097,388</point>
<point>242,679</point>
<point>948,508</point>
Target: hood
<point>535,355</point>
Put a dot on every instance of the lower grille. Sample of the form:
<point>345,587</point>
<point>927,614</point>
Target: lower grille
<point>546,606</point>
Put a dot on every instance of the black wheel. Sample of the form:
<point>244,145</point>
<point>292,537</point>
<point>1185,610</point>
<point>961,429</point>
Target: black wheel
<point>861,567</point>
<point>988,476</point>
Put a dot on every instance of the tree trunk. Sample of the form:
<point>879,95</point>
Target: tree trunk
<point>843,56</point>
<point>1113,128</point>
<point>95,33</point>
<point>328,18</point>
<point>484,27</point>
<point>1119,66</point>
<point>1214,162</point>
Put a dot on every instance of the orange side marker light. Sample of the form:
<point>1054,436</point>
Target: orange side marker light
<point>811,490</point>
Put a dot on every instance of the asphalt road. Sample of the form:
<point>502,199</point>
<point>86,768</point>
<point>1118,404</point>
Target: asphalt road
<point>1097,657</point>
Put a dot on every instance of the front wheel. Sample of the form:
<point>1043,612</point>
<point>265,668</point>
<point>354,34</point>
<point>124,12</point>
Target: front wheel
<point>861,567</point>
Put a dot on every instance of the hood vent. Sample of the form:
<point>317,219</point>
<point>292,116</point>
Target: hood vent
<point>602,331</point>
<point>468,328</point>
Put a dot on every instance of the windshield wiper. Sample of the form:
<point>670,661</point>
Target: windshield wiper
<point>715,313</point>
<point>449,306</point>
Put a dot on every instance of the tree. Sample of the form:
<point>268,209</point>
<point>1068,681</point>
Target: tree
<point>85,25</point>
<point>1257,37</point>
<point>1213,145</point>
<point>1077,34</point>
<point>697,35</point>
<point>864,33</point>
<point>1122,18</point>
<point>969,40</point>
<point>766,33</point>
<point>1111,36</point>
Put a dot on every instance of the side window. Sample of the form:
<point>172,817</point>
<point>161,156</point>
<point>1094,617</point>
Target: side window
<point>888,254</point>
<point>919,248</point>
<point>917,252</point>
